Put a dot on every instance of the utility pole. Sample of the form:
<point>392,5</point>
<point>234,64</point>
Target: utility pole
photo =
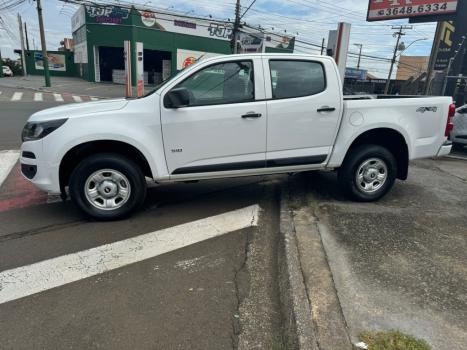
<point>236,26</point>
<point>1,64</point>
<point>397,34</point>
<point>359,54</point>
<point>322,47</point>
<point>26,32</point>
<point>23,56</point>
<point>45,59</point>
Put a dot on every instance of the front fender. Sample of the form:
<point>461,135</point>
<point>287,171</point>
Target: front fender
<point>144,136</point>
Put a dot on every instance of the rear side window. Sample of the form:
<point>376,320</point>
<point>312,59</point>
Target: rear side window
<point>296,78</point>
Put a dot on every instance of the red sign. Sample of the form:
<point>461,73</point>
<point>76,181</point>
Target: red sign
<point>380,10</point>
<point>189,61</point>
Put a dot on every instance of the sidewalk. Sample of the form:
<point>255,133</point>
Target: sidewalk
<point>398,263</point>
<point>73,86</point>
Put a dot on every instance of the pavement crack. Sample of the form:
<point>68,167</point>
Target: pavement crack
<point>35,231</point>
<point>236,321</point>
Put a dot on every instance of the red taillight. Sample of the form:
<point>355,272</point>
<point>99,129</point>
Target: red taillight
<point>449,124</point>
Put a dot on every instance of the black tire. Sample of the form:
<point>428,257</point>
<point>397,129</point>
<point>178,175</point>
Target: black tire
<point>131,173</point>
<point>347,173</point>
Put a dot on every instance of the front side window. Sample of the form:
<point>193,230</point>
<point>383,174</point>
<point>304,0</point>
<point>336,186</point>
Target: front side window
<point>296,78</point>
<point>230,82</point>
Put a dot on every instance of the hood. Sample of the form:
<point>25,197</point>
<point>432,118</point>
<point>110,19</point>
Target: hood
<point>78,109</point>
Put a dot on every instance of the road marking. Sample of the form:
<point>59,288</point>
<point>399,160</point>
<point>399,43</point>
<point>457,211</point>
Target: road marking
<point>8,160</point>
<point>77,98</point>
<point>35,278</point>
<point>17,96</point>
<point>38,96</point>
<point>58,97</point>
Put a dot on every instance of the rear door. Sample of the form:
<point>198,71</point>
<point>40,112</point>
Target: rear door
<point>223,129</point>
<point>304,110</point>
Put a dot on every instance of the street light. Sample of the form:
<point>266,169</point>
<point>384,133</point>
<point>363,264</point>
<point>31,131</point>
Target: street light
<point>359,54</point>
<point>399,47</point>
<point>403,48</point>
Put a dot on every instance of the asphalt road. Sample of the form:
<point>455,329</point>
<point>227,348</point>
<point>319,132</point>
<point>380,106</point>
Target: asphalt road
<point>215,294</point>
<point>398,263</point>
<point>13,116</point>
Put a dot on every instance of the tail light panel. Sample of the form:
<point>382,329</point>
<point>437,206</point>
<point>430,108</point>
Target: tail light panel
<point>449,124</point>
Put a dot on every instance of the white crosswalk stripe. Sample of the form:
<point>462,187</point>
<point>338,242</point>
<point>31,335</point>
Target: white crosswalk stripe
<point>8,160</point>
<point>58,97</point>
<point>17,96</point>
<point>41,276</point>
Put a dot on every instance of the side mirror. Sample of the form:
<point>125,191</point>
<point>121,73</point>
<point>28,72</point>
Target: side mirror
<point>176,98</point>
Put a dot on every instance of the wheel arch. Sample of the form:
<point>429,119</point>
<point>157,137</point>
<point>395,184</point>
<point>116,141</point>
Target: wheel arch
<point>391,139</point>
<point>82,150</point>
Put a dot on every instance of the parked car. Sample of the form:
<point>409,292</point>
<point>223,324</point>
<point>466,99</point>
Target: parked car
<point>7,72</point>
<point>228,116</point>
<point>459,132</point>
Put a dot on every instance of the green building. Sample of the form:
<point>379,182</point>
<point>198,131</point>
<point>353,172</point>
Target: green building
<point>170,42</point>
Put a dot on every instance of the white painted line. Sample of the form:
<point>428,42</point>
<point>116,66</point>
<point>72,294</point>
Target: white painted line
<point>35,278</point>
<point>38,96</point>
<point>77,98</point>
<point>8,160</point>
<point>58,97</point>
<point>17,96</point>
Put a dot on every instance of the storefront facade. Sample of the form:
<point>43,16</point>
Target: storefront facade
<point>170,42</point>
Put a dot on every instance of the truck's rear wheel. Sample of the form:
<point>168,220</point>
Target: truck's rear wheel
<point>368,172</point>
<point>107,186</point>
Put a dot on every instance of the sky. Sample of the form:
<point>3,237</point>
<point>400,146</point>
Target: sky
<point>308,20</point>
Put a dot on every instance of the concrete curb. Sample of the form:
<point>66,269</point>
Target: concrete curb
<point>296,310</point>
<point>311,308</point>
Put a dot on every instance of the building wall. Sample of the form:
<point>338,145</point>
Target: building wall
<point>111,26</point>
<point>411,66</point>
<point>33,63</point>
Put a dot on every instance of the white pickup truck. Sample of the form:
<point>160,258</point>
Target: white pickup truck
<point>228,116</point>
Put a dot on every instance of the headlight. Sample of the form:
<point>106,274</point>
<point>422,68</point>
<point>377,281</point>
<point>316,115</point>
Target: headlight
<point>35,131</point>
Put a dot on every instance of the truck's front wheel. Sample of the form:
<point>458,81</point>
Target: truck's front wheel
<point>107,186</point>
<point>368,172</point>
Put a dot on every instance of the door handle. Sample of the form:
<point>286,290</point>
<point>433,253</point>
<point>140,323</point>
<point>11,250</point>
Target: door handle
<point>252,115</point>
<point>326,109</point>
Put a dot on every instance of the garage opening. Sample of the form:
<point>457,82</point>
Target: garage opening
<point>111,60</point>
<point>157,65</point>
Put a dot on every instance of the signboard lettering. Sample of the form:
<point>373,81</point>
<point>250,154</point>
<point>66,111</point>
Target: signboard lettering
<point>219,30</point>
<point>108,14</point>
<point>380,10</point>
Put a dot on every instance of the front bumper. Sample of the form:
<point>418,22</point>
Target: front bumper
<point>445,149</point>
<point>43,174</point>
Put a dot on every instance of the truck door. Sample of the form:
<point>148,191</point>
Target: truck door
<point>304,109</point>
<point>223,127</point>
